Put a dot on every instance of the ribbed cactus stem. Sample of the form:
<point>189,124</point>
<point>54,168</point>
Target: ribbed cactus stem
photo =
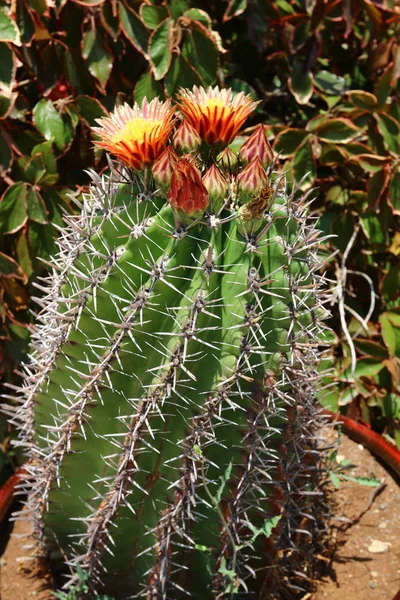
<point>169,410</point>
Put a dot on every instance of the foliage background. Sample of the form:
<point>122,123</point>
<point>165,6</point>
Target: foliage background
<point>327,74</point>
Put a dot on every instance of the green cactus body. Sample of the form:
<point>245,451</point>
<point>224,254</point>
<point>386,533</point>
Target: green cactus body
<point>169,406</point>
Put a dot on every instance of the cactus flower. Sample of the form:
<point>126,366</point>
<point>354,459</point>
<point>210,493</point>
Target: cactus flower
<point>163,166</point>
<point>257,145</point>
<point>187,192</point>
<point>215,114</point>
<point>252,179</point>
<point>227,160</point>
<point>137,135</point>
<point>216,185</point>
<point>186,138</point>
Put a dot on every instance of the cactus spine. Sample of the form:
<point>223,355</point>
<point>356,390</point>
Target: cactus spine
<point>168,409</point>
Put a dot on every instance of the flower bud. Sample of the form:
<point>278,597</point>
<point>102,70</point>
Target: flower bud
<point>187,192</point>
<point>162,168</point>
<point>257,146</point>
<point>186,138</point>
<point>216,186</point>
<point>251,180</point>
<point>227,160</point>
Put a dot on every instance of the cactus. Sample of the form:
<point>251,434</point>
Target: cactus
<point>168,409</point>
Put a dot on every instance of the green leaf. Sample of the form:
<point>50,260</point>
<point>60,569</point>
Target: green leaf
<point>266,528</point>
<point>134,28</point>
<point>288,140</point>
<point>304,165</point>
<point>5,156</point>
<point>10,268</point>
<point>7,66</point>
<point>56,201</point>
<point>148,87</point>
<point>160,48</point>
<point>177,8</point>
<point>337,195</point>
<point>98,59</point>
<point>13,209</point>
<point>389,129</point>
<point>372,228</point>
<point>200,50</point>
<point>364,100</point>
<point>234,9</point>
<point>8,29</point>
<point>35,169</point>
<point>7,101</point>
<point>22,252</point>
<point>25,23</point>
<point>238,86</point>
<point>330,83</point>
<point>388,333</point>
<point>365,367</point>
<point>338,130</point>
<point>109,20</point>
<point>41,241</point>
<point>367,481</point>
<point>180,74</point>
<point>152,15</point>
<point>335,479</point>
<point>196,14</point>
<point>394,193</point>
<point>90,109</point>
<point>371,348</point>
<point>224,478</point>
<point>36,207</point>
<point>49,122</point>
<point>301,84</point>
<point>46,150</point>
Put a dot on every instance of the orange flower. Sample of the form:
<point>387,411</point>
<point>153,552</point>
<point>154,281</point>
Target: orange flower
<point>137,135</point>
<point>215,114</point>
<point>187,192</point>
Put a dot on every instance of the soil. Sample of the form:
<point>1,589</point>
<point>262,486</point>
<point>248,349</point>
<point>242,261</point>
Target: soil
<point>365,561</point>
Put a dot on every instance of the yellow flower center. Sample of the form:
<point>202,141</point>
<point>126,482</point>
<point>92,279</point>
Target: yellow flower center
<point>212,102</point>
<point>135,130</point>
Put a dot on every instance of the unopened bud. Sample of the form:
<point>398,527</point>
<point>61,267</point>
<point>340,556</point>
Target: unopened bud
<point>163,166</point>
<point>257,146</point>
<point>186,138</point>
<point>216,186</point>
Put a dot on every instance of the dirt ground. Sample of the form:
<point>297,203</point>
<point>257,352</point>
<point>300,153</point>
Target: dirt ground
<point>365,565</point>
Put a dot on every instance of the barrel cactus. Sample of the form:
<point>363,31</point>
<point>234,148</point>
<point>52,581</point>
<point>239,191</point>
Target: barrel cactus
<point>168,410</point>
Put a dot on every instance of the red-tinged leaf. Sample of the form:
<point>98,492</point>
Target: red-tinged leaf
<point>356,148</point>
<point>110,19</point>
<point>394,193</point>
<point>364,100</point>
<point>134,28</point>
<point>152,16</point>
<point>395,72</point>
<point>90,109</point>
<point>371,348</point>
<point>288,140</point>
<point>389,129</point>
<point>6,157</point>
<point>383,86</point>
<point>234,9</point>
<point>98,59</point>
<point>340,130</point>
<point>13,208</point>
<point>375,15</point>
<point>330,83</point>
<point>7,66</point>
<point>332,154</point>
<point>388,333</point>
<point>377,187</point>
<point>196,14</point>
<point>303,166</point>
<point>301,84</point>
<point>160,48</point>
<point>89,2</point>
<point>199,49</point>
<point>9,31</point>
<point>180,74</point>
<point>25,22</point>
<point>370,162</point>
<point>10,268</point>
<point>36,207</point>
<point>148,87</point>
<point>35,169</point>
<point>22,253</point>
<point>7,103</point>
